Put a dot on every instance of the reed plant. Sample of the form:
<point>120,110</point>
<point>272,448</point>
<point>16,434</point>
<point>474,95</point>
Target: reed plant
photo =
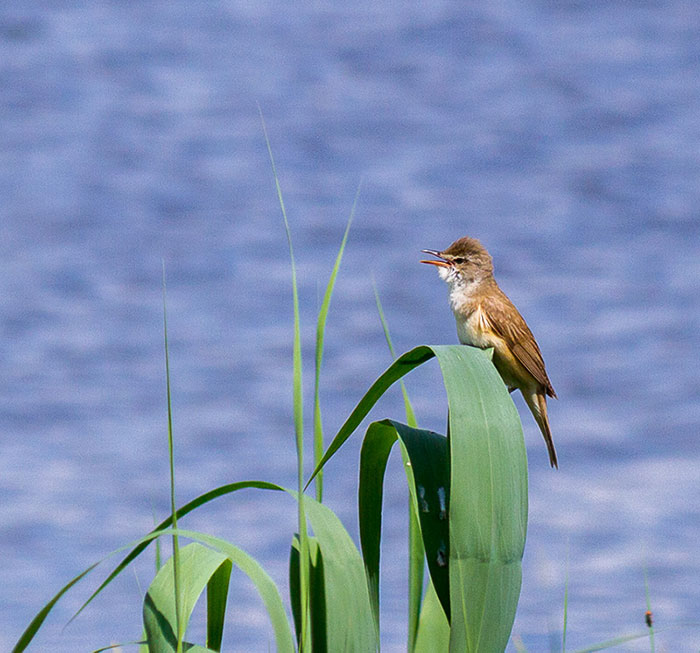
<point>467,514</point>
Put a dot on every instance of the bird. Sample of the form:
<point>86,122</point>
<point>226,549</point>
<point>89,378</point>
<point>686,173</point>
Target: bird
<point>487,318</point>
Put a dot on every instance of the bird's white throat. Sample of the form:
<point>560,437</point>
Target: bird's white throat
<point>461,289</point>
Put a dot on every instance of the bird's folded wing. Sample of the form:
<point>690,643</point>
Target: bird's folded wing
<point>514,330</point>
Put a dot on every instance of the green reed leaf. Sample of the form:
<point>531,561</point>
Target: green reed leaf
<point>487,494</point>
<point>320,337</point>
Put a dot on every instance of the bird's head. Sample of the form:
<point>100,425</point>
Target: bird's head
<point>465,261</point>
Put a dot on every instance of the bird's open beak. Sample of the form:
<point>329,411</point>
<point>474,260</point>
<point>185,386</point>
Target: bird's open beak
<point>443,263</point>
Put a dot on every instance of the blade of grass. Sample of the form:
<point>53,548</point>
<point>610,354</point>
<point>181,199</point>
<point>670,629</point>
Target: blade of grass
<point>181,512</point>
<point>171,456</point>
<point>410,415</point>
<point>416,552</point>
<point>320,336</point>
<point>298,409</point>
<point>31,630</point>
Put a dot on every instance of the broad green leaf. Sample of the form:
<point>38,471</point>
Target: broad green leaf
<point>428,471</point>
<point>317,605</point>
<point>197,565</point>
<point>427,454</point>
<point>264,585</point>
<point>488,491</point>
<point>349,623</point>
<point>217,596</point>
<point>488,501</point>
<point>433,628</point>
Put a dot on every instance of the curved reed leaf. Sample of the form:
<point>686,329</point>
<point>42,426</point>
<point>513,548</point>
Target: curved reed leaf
<point>400,367</point>
<point>202,566</point>
<point>347,616</point>
<point>163,612</point>
<point>201,500</point>
<point>137,547</point>
<point>429,486</point>
<point>40,617</point>
<point>119,646</point>
<point>488,491</point>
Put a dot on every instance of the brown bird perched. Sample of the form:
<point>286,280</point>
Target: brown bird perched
<point>487,318</point>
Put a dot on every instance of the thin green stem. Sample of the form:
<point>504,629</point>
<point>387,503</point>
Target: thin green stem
<point>416,550</point>
<point>304,578</point>
<point>320,336</point>
<point>176,548</point>
<point>410,414</point>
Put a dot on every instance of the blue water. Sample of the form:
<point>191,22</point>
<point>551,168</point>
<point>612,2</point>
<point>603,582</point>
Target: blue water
<point>563,134</point>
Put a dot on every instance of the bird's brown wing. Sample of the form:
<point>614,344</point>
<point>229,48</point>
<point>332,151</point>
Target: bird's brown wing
<point>511,326</point>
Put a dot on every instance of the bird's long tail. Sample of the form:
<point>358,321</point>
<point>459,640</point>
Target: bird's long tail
<point>537,403</point>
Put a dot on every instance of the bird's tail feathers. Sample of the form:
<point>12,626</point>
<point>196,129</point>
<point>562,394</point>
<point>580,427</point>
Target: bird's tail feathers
<point>537,403</point>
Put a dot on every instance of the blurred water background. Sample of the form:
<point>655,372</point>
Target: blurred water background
<point>564,134</point>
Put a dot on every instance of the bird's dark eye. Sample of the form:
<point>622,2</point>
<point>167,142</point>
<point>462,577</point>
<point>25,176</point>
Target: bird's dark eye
<point>459,260</point>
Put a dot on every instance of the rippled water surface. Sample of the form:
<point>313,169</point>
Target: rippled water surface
<point>563,134</point>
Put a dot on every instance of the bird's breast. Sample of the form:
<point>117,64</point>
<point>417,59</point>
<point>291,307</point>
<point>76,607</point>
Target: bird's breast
<point>473,328</point>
